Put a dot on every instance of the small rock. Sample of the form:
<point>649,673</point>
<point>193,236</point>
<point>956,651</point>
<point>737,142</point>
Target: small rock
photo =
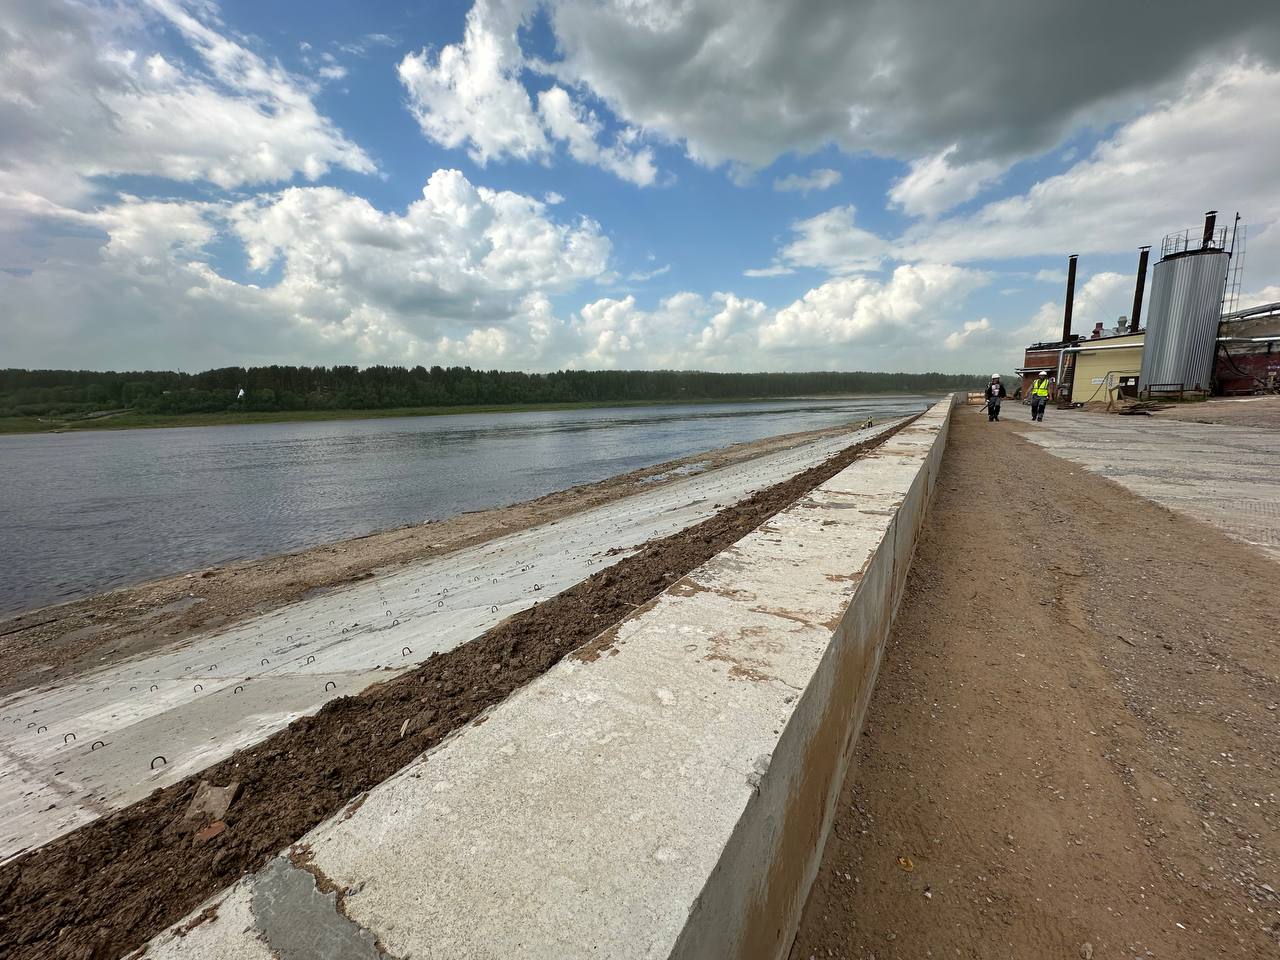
<point>211,831</point>
<point>1086,951</point>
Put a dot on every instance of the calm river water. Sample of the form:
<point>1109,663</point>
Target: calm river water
<point>84,512</point>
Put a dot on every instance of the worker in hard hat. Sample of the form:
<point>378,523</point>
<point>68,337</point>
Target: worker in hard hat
<point>1041,387</point>
<point>995,393</point>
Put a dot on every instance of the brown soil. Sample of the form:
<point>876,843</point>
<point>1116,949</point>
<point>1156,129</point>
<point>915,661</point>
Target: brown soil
<point>1071,752</point>
<point>44,645</point>
<point>1263,412</point>
<point>113,884</point>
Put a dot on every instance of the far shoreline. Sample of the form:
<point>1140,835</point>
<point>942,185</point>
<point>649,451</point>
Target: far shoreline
<point>133,420</point>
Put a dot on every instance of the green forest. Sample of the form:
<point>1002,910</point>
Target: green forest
<point>69,394</point>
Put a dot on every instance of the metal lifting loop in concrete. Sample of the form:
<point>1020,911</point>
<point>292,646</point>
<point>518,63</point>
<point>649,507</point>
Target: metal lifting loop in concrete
<point>238,688</point>
<point>154,688</point>
<point>31,724</point>
<point>161,759</point>
<point>265,661</point>
<point>41,729</point>
<point>494,608</point>
<point>439,603</point>
<point>198,687</point>
<point>395,623</point>
<point>213,666</point>
<point>311,659</point>
<point>405,652</point>
<point>65,735</point>
<point>330,684</point>
<point>96,744</point>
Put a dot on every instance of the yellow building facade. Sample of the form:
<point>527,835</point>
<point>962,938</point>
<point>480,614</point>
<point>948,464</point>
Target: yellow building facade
<point>1118,357</point>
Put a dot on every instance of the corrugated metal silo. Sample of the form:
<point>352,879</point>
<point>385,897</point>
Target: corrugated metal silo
<point>1182,322</point>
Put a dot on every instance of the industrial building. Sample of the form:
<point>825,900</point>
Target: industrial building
<point>1189,345</point>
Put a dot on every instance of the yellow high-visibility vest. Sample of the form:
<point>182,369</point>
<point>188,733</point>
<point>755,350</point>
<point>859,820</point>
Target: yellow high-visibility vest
<point>1040,388</point>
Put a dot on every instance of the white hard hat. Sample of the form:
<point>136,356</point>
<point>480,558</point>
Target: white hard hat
<point>1044,373</point>
<point>995,376</point>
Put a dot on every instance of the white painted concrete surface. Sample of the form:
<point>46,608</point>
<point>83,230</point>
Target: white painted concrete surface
<point>199,701</point>
<point>1227,476</point>
<point>669,798</point>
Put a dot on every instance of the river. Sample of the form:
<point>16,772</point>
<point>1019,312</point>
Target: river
<point>83,512</point>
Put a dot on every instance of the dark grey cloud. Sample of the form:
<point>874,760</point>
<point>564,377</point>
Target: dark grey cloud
<point>748,80</point>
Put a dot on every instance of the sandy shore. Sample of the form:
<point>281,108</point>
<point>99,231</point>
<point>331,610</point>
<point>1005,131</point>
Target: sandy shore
<point>59,641</point>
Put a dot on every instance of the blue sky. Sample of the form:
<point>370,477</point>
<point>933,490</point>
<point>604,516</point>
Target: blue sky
<point>527,184</point>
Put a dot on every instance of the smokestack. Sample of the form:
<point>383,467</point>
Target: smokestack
<point>1136,314</point>
<point>1071,297</point>
<point>1210,220</point>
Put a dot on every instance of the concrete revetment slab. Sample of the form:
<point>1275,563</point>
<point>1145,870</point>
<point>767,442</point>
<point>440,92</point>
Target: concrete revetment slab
<point>666,791</point>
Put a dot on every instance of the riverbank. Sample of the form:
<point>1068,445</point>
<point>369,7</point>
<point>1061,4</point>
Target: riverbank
<point>148,869</point>
<point>1071,752</point>
<point>51,643</point>
<point>137,420</point>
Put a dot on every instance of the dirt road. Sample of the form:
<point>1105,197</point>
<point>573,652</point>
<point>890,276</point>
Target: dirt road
<point>1074,745</point>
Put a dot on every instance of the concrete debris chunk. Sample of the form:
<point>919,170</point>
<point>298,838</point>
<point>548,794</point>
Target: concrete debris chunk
<point>211,803</point>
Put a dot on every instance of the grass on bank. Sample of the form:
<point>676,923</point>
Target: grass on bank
<point>133,420</point>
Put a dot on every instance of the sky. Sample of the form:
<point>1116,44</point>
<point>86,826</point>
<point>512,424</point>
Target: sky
<point>542,184</point>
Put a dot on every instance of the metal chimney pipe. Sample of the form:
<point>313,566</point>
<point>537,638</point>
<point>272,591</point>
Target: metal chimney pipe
<point>1210,220</point>
<point>1071,297</point>
<point>1136,314</point>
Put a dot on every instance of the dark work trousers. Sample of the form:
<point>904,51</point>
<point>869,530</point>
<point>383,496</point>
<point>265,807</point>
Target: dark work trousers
<point>993,409</point>
<point>1037,407</point>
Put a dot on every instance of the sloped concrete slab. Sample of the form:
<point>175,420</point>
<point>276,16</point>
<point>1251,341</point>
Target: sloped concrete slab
<point>75,750</point>
<point>667,791</point>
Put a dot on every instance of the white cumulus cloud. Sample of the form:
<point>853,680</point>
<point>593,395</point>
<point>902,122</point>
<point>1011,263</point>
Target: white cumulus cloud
<point>83,94</point>
<point>471,94</point>
<point>831,241</point>
<point>935,184</point>
<point>823,179</point>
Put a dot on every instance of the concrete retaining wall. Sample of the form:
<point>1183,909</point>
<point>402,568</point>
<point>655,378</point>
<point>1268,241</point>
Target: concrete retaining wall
<point>666,794</point>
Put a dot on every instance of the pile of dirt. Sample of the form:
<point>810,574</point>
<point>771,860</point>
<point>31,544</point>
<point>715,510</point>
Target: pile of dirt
<point>1073,747</point>
<point>113,884</point>
<point>41,646</point>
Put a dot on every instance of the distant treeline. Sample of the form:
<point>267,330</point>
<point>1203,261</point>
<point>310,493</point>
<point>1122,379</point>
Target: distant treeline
<point>75,392</point>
